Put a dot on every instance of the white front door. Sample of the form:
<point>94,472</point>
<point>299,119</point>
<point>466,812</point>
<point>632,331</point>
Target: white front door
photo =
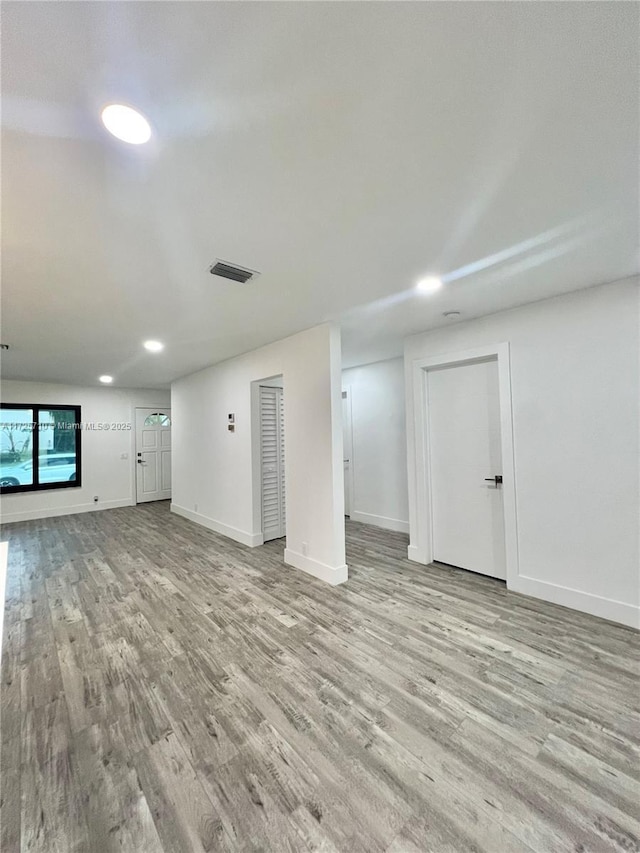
<point>153,454</point>
<point>347,445</point>
<point>465,453</point>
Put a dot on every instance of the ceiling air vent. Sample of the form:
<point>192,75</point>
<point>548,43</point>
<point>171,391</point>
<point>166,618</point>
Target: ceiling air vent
<point>232,271</point>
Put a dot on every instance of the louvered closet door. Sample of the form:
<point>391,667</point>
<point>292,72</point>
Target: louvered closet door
<point>272,461</point>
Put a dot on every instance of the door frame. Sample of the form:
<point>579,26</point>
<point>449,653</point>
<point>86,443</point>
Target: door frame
<point>346,395</point>
<point>256,538</point>
<point>134,448</point>
<point>277,387</point>
<point>421,548</point>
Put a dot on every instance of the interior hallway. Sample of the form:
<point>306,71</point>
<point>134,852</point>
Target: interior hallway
<point>167,689</point>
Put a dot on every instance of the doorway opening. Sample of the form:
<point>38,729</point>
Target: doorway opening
<point>347,451</point>
<point>153,455</point>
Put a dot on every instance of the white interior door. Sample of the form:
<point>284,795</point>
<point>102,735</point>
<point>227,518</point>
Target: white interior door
<point>272,462</point>
<point>153,454</point>
<point>347,444</point>
<point>465,450</point>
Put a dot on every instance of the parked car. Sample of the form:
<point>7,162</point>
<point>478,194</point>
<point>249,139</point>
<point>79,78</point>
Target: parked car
<point>54,468</point>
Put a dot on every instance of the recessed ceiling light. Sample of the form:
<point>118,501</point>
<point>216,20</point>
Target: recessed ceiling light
<point>429,284</point>
<point>153,346</point>
<point>451,315</point>
<point>107,380</point>
<point>126,124</point>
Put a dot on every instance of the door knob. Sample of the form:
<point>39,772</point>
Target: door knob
<point>495,479</point>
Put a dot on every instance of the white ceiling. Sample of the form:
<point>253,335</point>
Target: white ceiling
<point>342,149</point>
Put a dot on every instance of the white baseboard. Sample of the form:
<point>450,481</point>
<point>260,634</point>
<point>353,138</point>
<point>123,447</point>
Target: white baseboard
<point>327,573</point>
<point>380,521</point>
<point>586,602</point>
<point>242,536</point>
<point>54,511</point>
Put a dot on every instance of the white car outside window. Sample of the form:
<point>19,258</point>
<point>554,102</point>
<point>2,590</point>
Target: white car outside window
<point>54,468</point>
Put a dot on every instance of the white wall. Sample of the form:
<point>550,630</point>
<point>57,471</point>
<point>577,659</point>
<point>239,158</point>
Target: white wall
<point>216,473</point>
<point>575,393</point>
<point>104,472</point>
<point>379,453</point>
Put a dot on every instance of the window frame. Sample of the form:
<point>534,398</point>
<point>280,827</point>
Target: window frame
<point>36,485</point>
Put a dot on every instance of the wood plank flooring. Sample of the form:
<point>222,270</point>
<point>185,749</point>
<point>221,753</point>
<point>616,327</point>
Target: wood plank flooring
<point>166,689</point>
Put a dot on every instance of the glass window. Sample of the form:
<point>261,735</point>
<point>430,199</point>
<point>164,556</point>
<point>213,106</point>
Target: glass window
<point>157,418</point>
<point>16,447</point>
<point>43,433</point>
<point>57,429</point>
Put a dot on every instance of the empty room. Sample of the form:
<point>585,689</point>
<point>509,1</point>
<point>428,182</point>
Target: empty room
<point>320,427</point>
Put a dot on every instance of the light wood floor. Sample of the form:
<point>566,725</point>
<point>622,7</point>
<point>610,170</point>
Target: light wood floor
<point>165,689</point>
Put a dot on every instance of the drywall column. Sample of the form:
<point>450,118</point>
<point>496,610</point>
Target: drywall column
<point>215,471</point>
<point>313,460</point>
